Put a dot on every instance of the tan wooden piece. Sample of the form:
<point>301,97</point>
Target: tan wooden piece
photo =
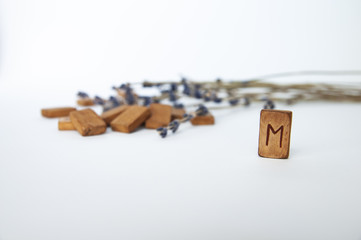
<point>85,102</point>
<point>177,113</point>
<point>111,114</point>
<point>274,133</point>
<point>65,123</point>
<point>130,119</point>
<point>160,116</point>
<point>57,112</point>
<point>203,120</point>
<point>87,122</point>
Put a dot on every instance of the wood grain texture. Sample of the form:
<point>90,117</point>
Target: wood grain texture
<point>85,102</point>
<point>275,133</point>
<point>177,113</point>
<point>87,122</point>
<point>203,120</point>
<point>57,112</point>
<point>65,123</point>
<point>111,114</point>
<point>130,119</point>
<point>160,116</point>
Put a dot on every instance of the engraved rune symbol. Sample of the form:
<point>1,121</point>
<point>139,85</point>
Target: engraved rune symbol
<point>270,128</point>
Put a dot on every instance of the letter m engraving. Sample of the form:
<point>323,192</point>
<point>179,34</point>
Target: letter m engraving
<point>270,128</point>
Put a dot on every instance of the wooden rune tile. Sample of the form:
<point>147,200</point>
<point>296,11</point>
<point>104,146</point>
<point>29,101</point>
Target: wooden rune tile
<point>203,120</point>
<point>177,113</point>
<point>65,123</point>
<point>160,116</point>
<point>130,119</point>
<point>87,122</point>
<point>57,112</point>
<point>85,102</point>
<point>274,133</point>
<point>111,114</point>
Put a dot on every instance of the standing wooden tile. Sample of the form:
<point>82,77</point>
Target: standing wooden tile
<point>130,119</point>
<point>177,113</point>
<point>87,122</point>
<point>203,120</point>
<point>160,116</point>
<point>57,112</point>
<point>274,133</point>
<point>111,114</point>
<point>65,123</point>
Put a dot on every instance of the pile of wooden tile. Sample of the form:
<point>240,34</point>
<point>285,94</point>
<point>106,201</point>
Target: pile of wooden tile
<point>125,118</point>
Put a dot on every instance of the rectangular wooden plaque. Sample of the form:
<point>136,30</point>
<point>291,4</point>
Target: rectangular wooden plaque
<point>130,119</point>
<point>111,114</point>
<point>87,122</point>
<point>177,113</point>
<point>160,116</point>
<point>57,112</point>
<point>85,102</point>
<point>65,123</point>
<point>203,120</point>
<point>274,133</point>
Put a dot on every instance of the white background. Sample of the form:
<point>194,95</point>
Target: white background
<point>203,182</point>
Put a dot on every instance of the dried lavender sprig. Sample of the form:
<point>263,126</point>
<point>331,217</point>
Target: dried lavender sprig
<point>342,92</point>
<point>82,94</point>
<point>111,103</point>
<point>174,125</point>
<point>269,104</point>
<point>99,101</point>
<point>209,91</point>
<point>246,81</point>
<point>199,90</point>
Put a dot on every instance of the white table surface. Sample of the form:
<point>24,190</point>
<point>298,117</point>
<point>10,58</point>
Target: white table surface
<point>204,182</point>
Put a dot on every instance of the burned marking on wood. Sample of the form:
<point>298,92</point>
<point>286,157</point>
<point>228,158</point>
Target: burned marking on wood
<point>270,128</point>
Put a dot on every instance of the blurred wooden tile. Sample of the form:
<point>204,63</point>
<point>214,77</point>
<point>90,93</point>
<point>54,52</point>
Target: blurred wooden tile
<point>274,133</point>
<point>111,114</point>
<point>203,120</point>
<point>57,112</point>
<point>130,119</point>
<point>87,122</point>
<point>160,116</point>
<point>85,102</point>
<point>65,123</point>
<point>177,113</point>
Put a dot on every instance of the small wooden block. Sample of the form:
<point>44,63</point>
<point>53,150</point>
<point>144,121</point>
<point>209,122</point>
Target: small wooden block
<point>87,122</point>
<point>65,124</point>
<point>57,112</point>
<point>160,116</point>
<point>274,133</point>
<point>203,120</point>
<point>177,113</point>
<point>130,119</point>
<point>111,114</point>
<point>85,102</point>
